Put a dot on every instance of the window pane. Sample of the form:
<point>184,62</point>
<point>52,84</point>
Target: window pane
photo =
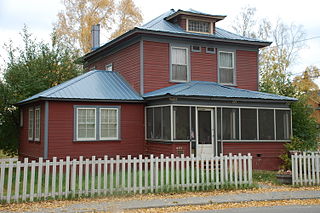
<point>266,124</point>
<point>193,124</point>
<point>37,125</point>
<point>219,123</point>
<point>182,128</point>
<point>226,60</point>
<point>283,124</point>
<point>226,76</point>
<point>179,56</point>
<point>30,124</point>
<point>198,26</point>
<point>249,124</point>
<point>149,122</point>
<point>86,123</point>
<point>166,123</point>
<point>157,122</point>
<point>179,72</point>
<point>230,122</point>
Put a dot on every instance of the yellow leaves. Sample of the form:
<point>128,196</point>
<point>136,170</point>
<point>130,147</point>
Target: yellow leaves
<point>74,23</point>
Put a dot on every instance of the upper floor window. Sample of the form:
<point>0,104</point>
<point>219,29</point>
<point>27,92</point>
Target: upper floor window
<point>199,26</point>
<point>226,68</point>
<point>109,67</point>
<point>179,64</point>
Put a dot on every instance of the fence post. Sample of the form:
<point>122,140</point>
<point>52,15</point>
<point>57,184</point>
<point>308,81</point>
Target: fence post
<point>17,183</point>
<point>25,179</point>
<point>250,168</point>
<point>54,172</point>
<point>293,169</point>
<point>9,181</point>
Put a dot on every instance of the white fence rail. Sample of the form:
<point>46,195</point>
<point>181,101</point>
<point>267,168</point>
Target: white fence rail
<point>306,168</point>
<point>37,180</point>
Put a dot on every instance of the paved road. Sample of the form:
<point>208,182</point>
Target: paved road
<point>274,209</point>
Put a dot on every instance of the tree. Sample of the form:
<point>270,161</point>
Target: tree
<point>30,69</point>
<point>244,22</point>
<point>129,17</point>
<point>305,84</point>
<point>74,23</point>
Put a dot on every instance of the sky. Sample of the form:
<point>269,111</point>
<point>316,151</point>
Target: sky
<point>39,16</point>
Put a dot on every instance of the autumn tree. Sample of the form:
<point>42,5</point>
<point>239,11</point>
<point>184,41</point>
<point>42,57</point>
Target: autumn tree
<point>75,22</point>
<point>129,16</point>
<point>30,69</point>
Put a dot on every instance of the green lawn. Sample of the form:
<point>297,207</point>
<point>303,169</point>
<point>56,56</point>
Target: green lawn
<point>264,176</point>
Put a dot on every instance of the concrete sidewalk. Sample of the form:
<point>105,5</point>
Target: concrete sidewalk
<point>154,203</point>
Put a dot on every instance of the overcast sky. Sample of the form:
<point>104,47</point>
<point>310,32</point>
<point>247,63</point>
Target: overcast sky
<point>39,15</point>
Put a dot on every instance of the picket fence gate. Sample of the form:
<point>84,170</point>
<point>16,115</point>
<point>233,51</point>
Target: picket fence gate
<point>37,180</point>
<point>306,168</point>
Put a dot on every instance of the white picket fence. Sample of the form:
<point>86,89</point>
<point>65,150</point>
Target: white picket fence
<point>306,168</point>
<point>36,180</point>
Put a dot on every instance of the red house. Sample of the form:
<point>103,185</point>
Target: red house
<point>178,84</point>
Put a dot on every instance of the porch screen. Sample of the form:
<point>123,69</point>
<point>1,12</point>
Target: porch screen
<point>266,124</point>
<point>230,123</point>
<point>158,123</point>
<point>179,63</point>
<point>226,68</point>
<point>249,124</point>
<point>283,124</point>
<point>181,117</point>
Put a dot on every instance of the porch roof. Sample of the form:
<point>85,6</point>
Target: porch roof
<point>212,89</point>
<point>93,85</point>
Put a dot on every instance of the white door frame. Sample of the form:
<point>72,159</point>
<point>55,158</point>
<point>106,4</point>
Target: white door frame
<point>212,147</point>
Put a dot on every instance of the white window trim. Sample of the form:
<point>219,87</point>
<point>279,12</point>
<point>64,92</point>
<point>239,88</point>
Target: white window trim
<point>209,51</point>
<point>233,67</point>
<point>109,65</point>
<point>195,50</point>
<point>117,119</point>
<point>30,136</point>
<point>188,64</point>
<point>195,19</point>
<point>35,124</point>
<point>77,125</point>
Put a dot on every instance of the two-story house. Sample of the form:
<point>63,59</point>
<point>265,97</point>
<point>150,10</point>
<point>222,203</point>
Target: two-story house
<point>177,84</point>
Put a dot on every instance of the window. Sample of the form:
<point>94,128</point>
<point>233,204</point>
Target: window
<point>195,48</point>
<point>86,124</point>
<point>37,124</point>
<point>283,124</point>
<point>21,118</point>
<point>109,67</point>
<point>30,124</point>
<point>108,123</point>
<point>226,68</point>
<point>199,26</point>
<point>211,50</point>
<point>159,123</point>
<point>179,64</point>
<point>266,124</point>
<point>249,124</point>
<point>230,124</point>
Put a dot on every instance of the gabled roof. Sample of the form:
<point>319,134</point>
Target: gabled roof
<point>160,26</point>
<point>93,85</point>
<point>213,90</point>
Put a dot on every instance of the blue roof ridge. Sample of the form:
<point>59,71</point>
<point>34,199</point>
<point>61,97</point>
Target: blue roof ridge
<point>127,84</point>
<point>72,81</point>
<point>192,84</point>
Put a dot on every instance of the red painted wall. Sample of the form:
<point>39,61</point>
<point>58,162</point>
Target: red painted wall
<point>31,149</point>
<point>126,62</point>
<point>269,153</point>
<point>203,66</point>
<point>247,70</point>
<point>61,132</point>
<point>167,149</point>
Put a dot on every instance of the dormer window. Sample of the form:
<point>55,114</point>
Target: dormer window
<point>199,26</point>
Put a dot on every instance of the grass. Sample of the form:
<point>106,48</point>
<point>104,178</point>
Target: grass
<point>264,176</point>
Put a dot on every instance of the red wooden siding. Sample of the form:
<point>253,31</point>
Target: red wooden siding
<point>156,65</point>
<point>61,132</point>
<point>265,154</point>
<point>126,62</point>
<point>31,149</point>
<point>247,70</point>
<point>167,149</point>
<point>203,66</point>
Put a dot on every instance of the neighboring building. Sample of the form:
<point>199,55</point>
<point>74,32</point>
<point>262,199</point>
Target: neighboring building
<point>179,85</point>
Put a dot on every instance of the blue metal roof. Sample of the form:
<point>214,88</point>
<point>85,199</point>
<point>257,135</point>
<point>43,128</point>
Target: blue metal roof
<point>93,85</point>
<point>212,89</point>
<point>161,25</point>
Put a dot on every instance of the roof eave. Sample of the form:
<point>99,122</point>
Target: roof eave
<point>181,12</point>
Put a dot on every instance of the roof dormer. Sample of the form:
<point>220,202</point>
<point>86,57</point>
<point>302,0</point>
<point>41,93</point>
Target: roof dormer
<point>195,21</point>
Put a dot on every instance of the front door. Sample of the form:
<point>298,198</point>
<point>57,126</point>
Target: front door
<point>205,130</point>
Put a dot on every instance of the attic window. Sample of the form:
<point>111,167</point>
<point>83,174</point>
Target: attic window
<point>199,26</point>
<point>211,50</point>
<point>195,48</point>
